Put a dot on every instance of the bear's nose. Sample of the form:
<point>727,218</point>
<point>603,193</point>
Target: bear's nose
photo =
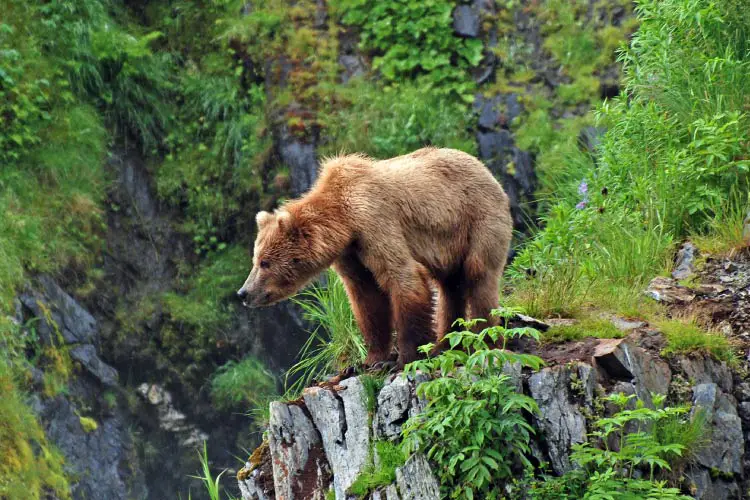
<point>242,293</point>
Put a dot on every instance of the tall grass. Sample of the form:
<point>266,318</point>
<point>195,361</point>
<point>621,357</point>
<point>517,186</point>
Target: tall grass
<point>675,151</point>
<point>335,343</point>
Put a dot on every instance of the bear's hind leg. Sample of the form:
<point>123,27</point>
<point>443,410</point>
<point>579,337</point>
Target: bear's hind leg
<point>483,293</point>
<point>411,301</point>
<point>451,305</point>
<point>371,307</point>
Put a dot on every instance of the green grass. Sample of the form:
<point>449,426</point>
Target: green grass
<point>335,343</point>
<point>685,336</point>
<point>388,456</point>
<point>723,235</point>
<point>245,383</point>
<point>588,327</point>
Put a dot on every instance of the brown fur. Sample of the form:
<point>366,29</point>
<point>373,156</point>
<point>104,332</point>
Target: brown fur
<point>392,229</point>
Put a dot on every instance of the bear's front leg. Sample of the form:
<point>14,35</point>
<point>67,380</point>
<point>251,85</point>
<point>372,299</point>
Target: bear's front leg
<point>370,305</point>
<point>411,301</point>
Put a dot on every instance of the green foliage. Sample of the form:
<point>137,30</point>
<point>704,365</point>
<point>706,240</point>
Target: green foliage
<point>669,159</point>
<point>632,440</point>
<point>203,307</point>
<point>381,471</point>
<point>335,343</point>
<point>587,327</point>
<point>391,121</point>
<point>685,336</point>
<point>474,425</point>
<point>88,424</point>
<point>415,39</point>
<point>247,382</point>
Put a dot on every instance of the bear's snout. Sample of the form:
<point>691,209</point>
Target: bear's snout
<point>242,294</point>
<point>254,298</point>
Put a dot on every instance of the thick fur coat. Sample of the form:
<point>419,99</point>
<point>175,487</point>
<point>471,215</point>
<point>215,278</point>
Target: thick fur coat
<point>393,230</point>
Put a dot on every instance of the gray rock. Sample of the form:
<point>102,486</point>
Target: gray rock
<point>619,359</point>
<point>668,291</point>
<point>394,402</point>
<point>561,421</point>
<point>170,418</point>
<point>100,462</point>
<point>706,488</point>
<point>685,262</point>
<point>300,468</point>
<point>342,420</point>
<point>416,481</point>
<point>300,157</point>
<point>466,21</point>
<point>704,369</point>
<point>86,355</point>
<point>494,145</point>
<point>59,312</point>
<point>353,65</point>
<point>726,448</point>
<point>251,488</point>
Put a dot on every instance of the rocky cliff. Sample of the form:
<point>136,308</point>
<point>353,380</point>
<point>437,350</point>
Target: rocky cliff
<point>323,442</point>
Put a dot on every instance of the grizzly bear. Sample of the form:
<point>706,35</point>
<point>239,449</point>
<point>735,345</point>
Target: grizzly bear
<point>392,230</point>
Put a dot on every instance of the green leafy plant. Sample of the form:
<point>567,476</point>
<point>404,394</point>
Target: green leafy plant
<point>474,425</point>
<point>635,440</point>
<point>335,343</point>
<point>411,39</point>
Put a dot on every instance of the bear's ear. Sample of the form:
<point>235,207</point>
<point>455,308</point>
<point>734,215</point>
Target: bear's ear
<point>284,218</point>
<point>262,218</point>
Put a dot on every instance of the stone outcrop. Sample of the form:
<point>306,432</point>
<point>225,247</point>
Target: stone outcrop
<point>319,445</point>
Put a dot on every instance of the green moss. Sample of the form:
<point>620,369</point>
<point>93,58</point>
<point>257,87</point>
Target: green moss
<point>88,424</point>
<point>588,327</point>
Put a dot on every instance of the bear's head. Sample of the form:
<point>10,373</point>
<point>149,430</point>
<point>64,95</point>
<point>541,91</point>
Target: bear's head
<point>283,259</point>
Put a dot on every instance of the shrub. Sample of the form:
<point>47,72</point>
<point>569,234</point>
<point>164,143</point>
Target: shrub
<point>247,382</point>
<point>632,440</point>
<point>474,424</point>
<point>415,39</point>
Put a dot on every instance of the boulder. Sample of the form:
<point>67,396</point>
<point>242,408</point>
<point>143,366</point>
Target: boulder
<point>342,419</point>
<point>59,313</point>
<point>466,21</point>
<point>416,481</point>
<point>685,262</point>
<point>86,355</point>
<point>725,449</point>
<point>394,402</point>
<point>300,468</point>
<point>560,420</point>
<point>621,360</point>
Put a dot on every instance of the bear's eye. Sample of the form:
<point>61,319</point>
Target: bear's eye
<point>264,264</point>
<point>295,260</point>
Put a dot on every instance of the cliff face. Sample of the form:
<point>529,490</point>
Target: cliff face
<point>323,442</point>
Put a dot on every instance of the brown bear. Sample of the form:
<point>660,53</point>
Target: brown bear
<point>392,230</point>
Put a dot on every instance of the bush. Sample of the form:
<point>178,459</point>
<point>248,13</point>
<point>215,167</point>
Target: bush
<point>415,39</point>
<point>668,160</point>
<point>634,441</point>
<point>247,382</point>
<point>474,424</point>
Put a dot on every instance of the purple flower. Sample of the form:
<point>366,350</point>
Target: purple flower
<point>583,188</point>
<point>581,205</point>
